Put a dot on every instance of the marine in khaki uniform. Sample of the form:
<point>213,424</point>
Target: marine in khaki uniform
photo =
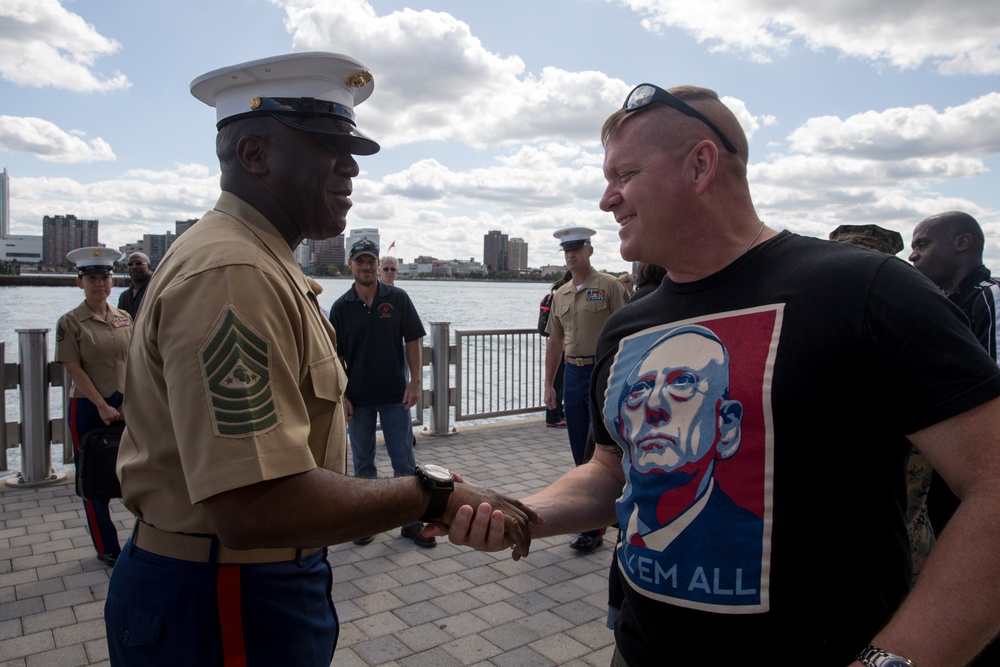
<point>234,459</point>
<point>92,345</point>
<point>579,310</point>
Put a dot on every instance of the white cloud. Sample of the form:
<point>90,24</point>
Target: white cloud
<point>140,201</point>
<point>42,44</point>
<point>954,37</point>
<point>970,129</point>
<point>435,80</point>
<point>49,142</point>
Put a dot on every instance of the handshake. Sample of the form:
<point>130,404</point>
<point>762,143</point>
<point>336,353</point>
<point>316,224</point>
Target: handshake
<point>485,520</point>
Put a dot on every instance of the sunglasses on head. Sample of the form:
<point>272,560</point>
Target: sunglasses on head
<point>645,94</point>
<point>364,245</point>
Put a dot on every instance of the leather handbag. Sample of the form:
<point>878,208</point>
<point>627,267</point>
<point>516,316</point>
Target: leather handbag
<point>97,461</point>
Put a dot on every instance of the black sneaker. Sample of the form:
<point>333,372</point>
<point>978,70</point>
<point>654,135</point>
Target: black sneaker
<point>413,532</point>
<point>584,542</point>
<point>362,541</point>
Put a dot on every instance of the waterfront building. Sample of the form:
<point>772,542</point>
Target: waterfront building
<point>329,252</point>
<point>495,250</point>
<point>181,226</point>
<point>4,204</point>
<point>130,248</point>
<point>556,270</point>
<point>156,246</point>
<point>26,250</point>
<point>303,254</point>
<point>62,233</point>
<point>363,234</point>
<point>517,255</point>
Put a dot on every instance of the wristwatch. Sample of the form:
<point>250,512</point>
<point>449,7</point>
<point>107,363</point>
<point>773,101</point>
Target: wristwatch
<point>873,656</point>
<point>440,482</point>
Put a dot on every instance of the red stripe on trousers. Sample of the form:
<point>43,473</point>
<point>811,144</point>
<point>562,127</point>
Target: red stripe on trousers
<point>227,587</point>
<point>88,507</point>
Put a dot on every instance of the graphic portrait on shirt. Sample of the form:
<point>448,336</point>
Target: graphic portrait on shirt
<point>687,404</point>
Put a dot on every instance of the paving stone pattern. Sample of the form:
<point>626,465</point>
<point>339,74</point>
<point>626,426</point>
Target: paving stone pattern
<point>399,604</point>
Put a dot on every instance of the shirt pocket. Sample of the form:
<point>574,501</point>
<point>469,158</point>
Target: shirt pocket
<point>596,305</point>
<point>328,379</point>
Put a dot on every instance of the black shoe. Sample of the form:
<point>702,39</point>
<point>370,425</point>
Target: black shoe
<point>362,541</point>
<point>413,532</point>
<point>108,559</point>
<point>584,542</point>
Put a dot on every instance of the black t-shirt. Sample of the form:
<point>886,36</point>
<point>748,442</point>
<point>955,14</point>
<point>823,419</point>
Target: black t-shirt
<point>372,342</point>
<point>798,369</point>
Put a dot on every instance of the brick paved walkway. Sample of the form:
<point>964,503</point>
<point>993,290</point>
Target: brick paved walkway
<point>398,604</point>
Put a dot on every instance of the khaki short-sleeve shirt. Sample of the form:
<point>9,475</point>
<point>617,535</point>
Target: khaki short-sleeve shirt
<point>233,376</point>
<point>99,346</point>
<point>577,315</point>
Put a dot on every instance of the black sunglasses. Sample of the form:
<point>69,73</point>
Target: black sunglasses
<point>389,268</point>
<point>646,93</point>
<point>364,245</point>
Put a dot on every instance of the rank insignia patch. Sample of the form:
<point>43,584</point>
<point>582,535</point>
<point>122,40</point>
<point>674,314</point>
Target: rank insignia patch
<point>236,367</point>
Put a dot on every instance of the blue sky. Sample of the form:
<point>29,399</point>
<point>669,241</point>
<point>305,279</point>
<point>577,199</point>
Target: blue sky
<point>489,113</point>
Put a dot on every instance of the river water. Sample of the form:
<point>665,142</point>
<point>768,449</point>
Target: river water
<point>464,304</point>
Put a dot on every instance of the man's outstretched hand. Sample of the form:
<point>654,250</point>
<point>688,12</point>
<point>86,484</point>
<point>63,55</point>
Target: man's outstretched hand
<point>486,521</point>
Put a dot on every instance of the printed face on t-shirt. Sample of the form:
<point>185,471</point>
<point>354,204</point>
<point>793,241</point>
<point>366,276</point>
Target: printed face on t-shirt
<point>671,411</point>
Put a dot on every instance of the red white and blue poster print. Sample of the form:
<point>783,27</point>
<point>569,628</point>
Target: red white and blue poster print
<point>689,403</point>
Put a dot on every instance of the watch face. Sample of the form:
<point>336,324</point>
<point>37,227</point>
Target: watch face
<point>437,473</point>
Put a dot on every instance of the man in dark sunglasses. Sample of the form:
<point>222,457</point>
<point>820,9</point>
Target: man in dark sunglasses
<point>388,267</point>
<point>842,360</point>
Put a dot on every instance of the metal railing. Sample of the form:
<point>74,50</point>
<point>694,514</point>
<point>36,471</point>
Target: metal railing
<point>485,374</point>
<point>498,373</point>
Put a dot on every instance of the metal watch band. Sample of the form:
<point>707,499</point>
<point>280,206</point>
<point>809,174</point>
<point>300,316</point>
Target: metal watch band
<point>873,656</point>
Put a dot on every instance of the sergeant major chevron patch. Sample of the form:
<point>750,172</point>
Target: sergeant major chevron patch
<point>236,365</point>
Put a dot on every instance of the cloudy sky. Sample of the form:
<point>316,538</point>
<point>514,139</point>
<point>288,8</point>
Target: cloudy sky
<point>489,113</point>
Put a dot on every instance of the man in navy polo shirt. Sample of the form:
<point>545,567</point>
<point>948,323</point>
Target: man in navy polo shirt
<point>378,337</point>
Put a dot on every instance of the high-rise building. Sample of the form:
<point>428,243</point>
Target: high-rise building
<point>62,233</point>
<point>517,255</point>
<point>495,251</point>
<point>364,233</point>
<point>181,226</point>
<point>329,252</point>
<point>157,245</point>
<point>4,204</point>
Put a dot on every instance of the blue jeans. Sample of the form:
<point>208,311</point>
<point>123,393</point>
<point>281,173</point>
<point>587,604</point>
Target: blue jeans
<point>397,430</point>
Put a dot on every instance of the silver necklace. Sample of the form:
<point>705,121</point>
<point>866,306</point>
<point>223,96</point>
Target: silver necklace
<point>753,240</point>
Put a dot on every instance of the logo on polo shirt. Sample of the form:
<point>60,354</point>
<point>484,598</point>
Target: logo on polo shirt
<point>385,310</point>
<point>236,364</point>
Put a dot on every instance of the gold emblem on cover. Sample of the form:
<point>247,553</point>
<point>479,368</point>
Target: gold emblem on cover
<point>359,79</point>
<point>255,104</point>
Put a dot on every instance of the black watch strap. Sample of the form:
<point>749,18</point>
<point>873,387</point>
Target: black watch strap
<point>440,482</point>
